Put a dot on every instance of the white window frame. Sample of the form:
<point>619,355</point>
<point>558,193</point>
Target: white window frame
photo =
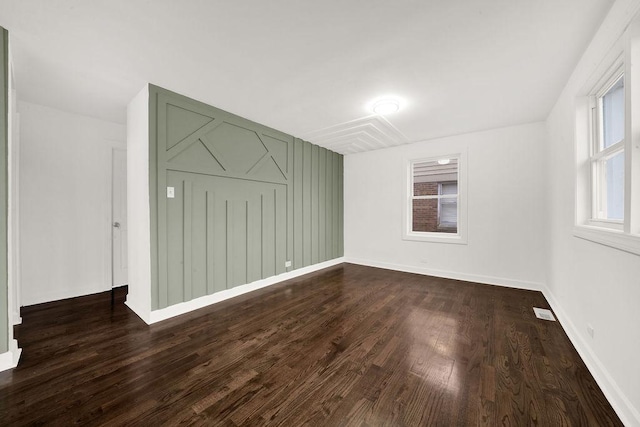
<point>625,234</point>
<point>460,237</point>
<point>598,155</point>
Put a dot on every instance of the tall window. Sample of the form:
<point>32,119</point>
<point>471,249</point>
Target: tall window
<point>608,154</point>
<point>607,150</point>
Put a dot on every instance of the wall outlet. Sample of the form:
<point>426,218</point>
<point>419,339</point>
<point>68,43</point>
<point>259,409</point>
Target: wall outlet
<point>287,263</point>
<point>171,192</point>
<point>590,330</point>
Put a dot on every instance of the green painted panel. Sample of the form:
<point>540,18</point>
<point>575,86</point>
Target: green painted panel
<point>322,200</point>
<point>329,207</point>
<point>4,143</point>
<point>306,205</point>
<point>253,233</point>
<point>197,157</point>
<point>183,123</point>
<point>238,260</point>
<point>315,203</point>
<point>298,191</point>
<point>340,177</point>
<point>268,240</point>
<point>247,200</point>
<point>199,264</point>
<point>335,204</point>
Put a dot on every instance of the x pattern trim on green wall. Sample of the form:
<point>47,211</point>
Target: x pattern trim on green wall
<point>247,199</point>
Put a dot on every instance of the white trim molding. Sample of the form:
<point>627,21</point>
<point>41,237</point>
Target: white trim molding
<point>188,306</point>
<point>9,359</point>
<point>460,237</point>
<point>612,238</point>
<point>61,294</point>
<point>445,274</point>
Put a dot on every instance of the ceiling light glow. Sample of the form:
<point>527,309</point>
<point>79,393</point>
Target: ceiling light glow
<point>386,106</point>
<point>444,161</point>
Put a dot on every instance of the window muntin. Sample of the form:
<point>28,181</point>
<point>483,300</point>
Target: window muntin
<point>608,156</point>
<point>433,204</point>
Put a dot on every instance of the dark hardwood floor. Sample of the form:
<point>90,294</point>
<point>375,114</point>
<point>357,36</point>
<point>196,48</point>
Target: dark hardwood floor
<point>350,345</point>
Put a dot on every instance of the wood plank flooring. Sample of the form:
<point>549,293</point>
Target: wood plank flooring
<point>350,345</point>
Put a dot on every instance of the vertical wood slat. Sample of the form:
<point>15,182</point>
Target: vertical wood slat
<point>279,255</point>
<point>328,207</point>
<point>262,238</point>
<point>322,210</point>
<point>335,205</point>
<point>158,222</point>
<point>340,175</point>
<point>256,240</point>
<point>210,251</point>
<point>229,242</point>
<point>245,251</point>
<point>187,231</point>
<point>242,251</point>
<point>306,205</point>
<point>269,233</point>
<point>199,236</point>
<point>175,246</point>
<point>315,205</point>
<point>298,148</point>
<point>219,243</point>
<point>248,234</point>
<point>289,204</point>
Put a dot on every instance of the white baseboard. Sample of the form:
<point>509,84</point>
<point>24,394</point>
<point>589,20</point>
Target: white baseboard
<point>629,415</point>
<point>138,309</point>
<point>194,304</point>
<point>9,359</point>
<point>61,294</point>
<point>488,280</point>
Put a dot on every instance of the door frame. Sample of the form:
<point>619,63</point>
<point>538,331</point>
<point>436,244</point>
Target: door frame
<point>108,250</point>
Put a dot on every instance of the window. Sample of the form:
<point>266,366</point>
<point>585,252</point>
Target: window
<point>607,159</point>
<point>608,150</point>
<point>433,209</point>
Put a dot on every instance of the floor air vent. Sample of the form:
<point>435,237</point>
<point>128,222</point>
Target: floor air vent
<point>543,313</point>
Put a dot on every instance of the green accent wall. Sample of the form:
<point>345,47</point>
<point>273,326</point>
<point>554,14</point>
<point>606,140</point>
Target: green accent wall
<point>4,143</point>
<point>247,199</point>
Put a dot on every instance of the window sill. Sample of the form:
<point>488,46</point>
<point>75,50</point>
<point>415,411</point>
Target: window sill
<point>609,237</point>
<point>436,237</point>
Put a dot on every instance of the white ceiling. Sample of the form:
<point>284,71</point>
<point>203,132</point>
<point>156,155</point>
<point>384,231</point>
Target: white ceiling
<point>302,66</point>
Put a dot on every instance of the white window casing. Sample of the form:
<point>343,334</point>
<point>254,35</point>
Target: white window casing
<point>607,204</point>
<point>451,203</point>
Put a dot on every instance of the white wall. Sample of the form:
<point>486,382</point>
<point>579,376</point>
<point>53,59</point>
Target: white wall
<point>10,359</point>
<point>14,200</point>
<point>138,209</point>
<point>506,209</point>
<point>65,203</point>
<point>589,283</point>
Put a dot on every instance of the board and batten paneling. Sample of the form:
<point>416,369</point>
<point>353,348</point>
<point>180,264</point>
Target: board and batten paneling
<point>247,199</point>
